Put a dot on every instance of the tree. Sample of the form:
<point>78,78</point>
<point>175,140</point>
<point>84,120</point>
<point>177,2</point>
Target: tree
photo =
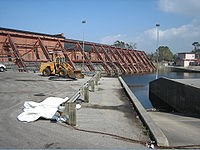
<point>165,54</point>
<point>196,45</point>
<point>152,56</point>
<point>196,49</point>
<point>122,44</point>
<point>175,57</point>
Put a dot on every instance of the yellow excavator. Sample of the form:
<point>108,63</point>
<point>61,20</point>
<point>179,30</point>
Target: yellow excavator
<point>60,67</point>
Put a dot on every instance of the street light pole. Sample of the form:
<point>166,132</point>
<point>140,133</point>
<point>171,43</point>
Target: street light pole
<point>157,46</point>
<point>83,22</point>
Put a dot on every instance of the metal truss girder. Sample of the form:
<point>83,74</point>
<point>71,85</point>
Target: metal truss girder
<point>133,60</point>
<point>100,57</point>
<point>139,65</point>
<point>65,54</point>
<point>19,60</point>
<point>33,48</point>
<point>73,54</point>
<point>148,61</point>
<point>110,62</point>
<point>89,63</point>
<point>142,62</point>
<point>117,61</point>
<point>123,61</point>
<point>148,66</point>
<point>111,58</point>
<point>44,49</point>
<point>129,61</point>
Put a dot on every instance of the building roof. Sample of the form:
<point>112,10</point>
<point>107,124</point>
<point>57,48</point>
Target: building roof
<point>22,31</point>
<point>67,45</point>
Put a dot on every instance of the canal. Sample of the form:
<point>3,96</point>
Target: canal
<point>139,84</point>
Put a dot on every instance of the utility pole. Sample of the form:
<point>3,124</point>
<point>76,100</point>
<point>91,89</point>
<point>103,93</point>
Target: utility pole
<point>83,22</point>
<point>157,46</point>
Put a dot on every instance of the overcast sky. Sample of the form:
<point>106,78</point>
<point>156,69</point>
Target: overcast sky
<point>109,20</point>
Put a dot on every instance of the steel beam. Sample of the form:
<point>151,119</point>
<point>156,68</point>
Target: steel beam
<point>87,60</point>
<point>129,61</point>
<point>123,61</point>
<point>44,49</point>
<point>139,65</point>
<point>111,58</point>
<point>148,61</point>
<point>102,60</point>
<point>134,61</point>
<point>142,62</point>
<point>110,62</point>
<point>117,61</point>
<point>147,65</point>
<point>65,54</point>
<point>19,60</point>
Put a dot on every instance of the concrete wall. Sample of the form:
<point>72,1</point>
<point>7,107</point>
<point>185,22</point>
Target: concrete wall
<point>172,95</point>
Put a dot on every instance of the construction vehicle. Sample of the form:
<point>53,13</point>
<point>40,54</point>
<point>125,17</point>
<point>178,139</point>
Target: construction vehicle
<point>61,68</point>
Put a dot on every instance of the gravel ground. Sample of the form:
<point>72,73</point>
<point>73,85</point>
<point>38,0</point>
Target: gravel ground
<point>109,111</point>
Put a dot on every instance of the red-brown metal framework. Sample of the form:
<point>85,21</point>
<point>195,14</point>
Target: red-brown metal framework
<point>22,47</point>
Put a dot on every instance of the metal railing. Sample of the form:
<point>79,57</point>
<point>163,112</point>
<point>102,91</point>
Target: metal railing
<point>85,88</point>
<point>70,104</point>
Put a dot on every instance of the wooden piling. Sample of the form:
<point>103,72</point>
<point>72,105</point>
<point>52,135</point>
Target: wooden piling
<point>86,94</point>
<point>70,110</point>
<point>96,80</point>
<point>92,85</point>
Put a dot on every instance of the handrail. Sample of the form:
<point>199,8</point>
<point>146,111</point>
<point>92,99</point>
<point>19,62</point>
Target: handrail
<point>70,105</point>
<point>86,85</point>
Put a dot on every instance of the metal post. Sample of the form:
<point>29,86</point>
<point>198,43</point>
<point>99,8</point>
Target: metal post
<point>86,94</point>
<point>83,51</point>
<point>70,110</point>
<point>84,21</point>
<point>157,44</point>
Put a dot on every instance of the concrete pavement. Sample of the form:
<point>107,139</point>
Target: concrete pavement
<point>108,111</point>
<point>179,129</point>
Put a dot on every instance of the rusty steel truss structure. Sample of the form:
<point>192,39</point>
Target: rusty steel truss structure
<point>23,47</point>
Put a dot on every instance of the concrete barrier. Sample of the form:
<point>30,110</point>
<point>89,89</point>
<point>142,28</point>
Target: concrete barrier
<point>155,131</point>
<point>181,95</point>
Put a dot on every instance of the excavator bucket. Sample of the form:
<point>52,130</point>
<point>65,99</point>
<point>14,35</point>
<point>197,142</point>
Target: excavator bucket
<point>72,76</point>
<point>78,74</point>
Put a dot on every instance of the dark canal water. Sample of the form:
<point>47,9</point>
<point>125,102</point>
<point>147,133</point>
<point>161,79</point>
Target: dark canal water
<point>139,84</point>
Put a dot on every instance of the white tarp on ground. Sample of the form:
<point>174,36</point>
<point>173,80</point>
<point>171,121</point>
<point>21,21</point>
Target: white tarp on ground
<point>46,109</point>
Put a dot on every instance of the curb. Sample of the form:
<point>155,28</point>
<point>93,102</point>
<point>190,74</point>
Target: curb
<point>155,131</point>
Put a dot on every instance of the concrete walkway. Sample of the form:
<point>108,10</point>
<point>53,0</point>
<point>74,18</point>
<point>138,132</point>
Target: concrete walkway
<point>179,129</point>
<point>109,110</point>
